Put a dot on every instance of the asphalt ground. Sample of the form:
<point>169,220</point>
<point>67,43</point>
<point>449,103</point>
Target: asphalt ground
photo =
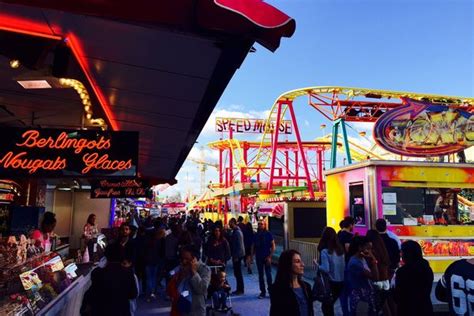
<point>247,304</point>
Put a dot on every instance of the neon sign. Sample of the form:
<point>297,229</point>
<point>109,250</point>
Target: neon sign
<point>248,125</point>
<point>67,153</point>
<point>422,129</point>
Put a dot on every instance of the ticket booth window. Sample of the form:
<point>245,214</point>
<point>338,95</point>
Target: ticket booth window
<point>401,204</point>
<point>412,206</point>
<point>357,208</point>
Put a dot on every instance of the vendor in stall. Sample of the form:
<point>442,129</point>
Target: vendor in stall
<point>45,237</point>
<point>444,211</point>
<point>90,233</point>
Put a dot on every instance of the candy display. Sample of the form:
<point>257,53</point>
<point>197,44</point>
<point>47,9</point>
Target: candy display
<point>40,285</point>
<point>16,305</point>
<point>30,278</point>
<point>16,251</point>
<point>433,247</point>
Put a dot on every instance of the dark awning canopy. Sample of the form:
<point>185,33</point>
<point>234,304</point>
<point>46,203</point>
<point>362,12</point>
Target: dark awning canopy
<point>254,19</point>
<point>157,67</point>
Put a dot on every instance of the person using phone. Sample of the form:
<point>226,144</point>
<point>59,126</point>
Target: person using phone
<point>360,272</point>
<point>188,285</point>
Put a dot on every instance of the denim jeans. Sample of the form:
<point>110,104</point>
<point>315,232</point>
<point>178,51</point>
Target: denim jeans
<point>219,299</point>
<point>151,272</point>
<point>237,265</point>
<point>262,265</point>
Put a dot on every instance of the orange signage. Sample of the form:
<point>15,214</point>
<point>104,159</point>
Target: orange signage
<point>49,152</point>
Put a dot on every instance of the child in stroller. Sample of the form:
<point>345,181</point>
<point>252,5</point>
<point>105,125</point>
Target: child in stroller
<point>219,292</point>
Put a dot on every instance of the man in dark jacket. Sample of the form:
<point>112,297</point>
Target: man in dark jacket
<point>263,247</point>
<point>238,253</point>
<point>112,287</point>
<point>247,231</point>
<point>390,244</point>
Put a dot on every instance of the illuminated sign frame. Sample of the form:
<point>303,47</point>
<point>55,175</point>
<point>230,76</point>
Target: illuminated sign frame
<point>110,188</point>
<point>250,125</point>
<point>67,153</point>
<point>421,129</point>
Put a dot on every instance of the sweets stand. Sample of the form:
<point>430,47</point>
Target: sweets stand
<point>44,283</point>
<point>421,201</point>
<point>69,301</point>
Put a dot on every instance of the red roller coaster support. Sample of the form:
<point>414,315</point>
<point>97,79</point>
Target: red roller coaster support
<point>289,104</point>
<point>274,146</point>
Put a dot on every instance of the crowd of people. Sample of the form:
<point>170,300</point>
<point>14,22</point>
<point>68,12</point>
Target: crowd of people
<point>185,261</point>
<point>368,268</point>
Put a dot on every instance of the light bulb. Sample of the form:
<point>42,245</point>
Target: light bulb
<point>14,63</point>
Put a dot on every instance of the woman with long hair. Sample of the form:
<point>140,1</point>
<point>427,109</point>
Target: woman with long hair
<point>217,249</point>
<point>331,254</point>
<point>413,282</point>
<point>382,283</point>
<point>90,234</point>
<point>360,272</point>
<point>289,294</point>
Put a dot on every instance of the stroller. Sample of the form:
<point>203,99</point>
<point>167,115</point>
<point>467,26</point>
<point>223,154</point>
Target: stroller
<point>220,303</point>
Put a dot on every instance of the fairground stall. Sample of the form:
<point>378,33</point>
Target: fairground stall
<point>420,201</point>
<point>296,222</point>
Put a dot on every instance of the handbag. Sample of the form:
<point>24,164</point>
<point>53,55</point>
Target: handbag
<point>322,288</point>
<point>184,302</point>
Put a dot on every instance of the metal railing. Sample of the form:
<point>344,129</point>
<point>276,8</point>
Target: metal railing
<point>308,251</point>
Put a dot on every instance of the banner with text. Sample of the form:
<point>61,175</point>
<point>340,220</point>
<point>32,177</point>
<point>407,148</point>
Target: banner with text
<point>110,188</point>
<point>250,125</point>
<point>67,153</point>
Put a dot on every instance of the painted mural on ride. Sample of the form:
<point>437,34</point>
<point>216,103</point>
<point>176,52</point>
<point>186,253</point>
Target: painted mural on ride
<point>421,129</point>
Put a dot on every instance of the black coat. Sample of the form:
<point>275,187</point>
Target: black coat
<point>413,283</point>
<point>111,290</point>
<point>283,301</point>
<point>154,251</point>
<point>393,251</point>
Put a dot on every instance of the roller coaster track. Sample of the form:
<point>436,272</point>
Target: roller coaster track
<point>348,103</point>
<point>358,151</point>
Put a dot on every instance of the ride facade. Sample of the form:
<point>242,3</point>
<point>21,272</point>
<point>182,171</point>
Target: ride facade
<point>428,199</point>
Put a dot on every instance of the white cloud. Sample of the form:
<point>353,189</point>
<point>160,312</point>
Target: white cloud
<point>203,153</point>
<point>236,107</point>
<point>189,176</point>
<point>363,126</point>
<point>210,130</point>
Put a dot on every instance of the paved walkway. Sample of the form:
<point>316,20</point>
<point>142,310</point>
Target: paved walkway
<point>247,304</point>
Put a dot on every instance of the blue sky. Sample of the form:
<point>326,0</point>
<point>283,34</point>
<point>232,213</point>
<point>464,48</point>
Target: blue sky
<point>408,45</point>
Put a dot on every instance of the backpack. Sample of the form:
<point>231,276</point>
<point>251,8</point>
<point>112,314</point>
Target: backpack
<point>321,289</point>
